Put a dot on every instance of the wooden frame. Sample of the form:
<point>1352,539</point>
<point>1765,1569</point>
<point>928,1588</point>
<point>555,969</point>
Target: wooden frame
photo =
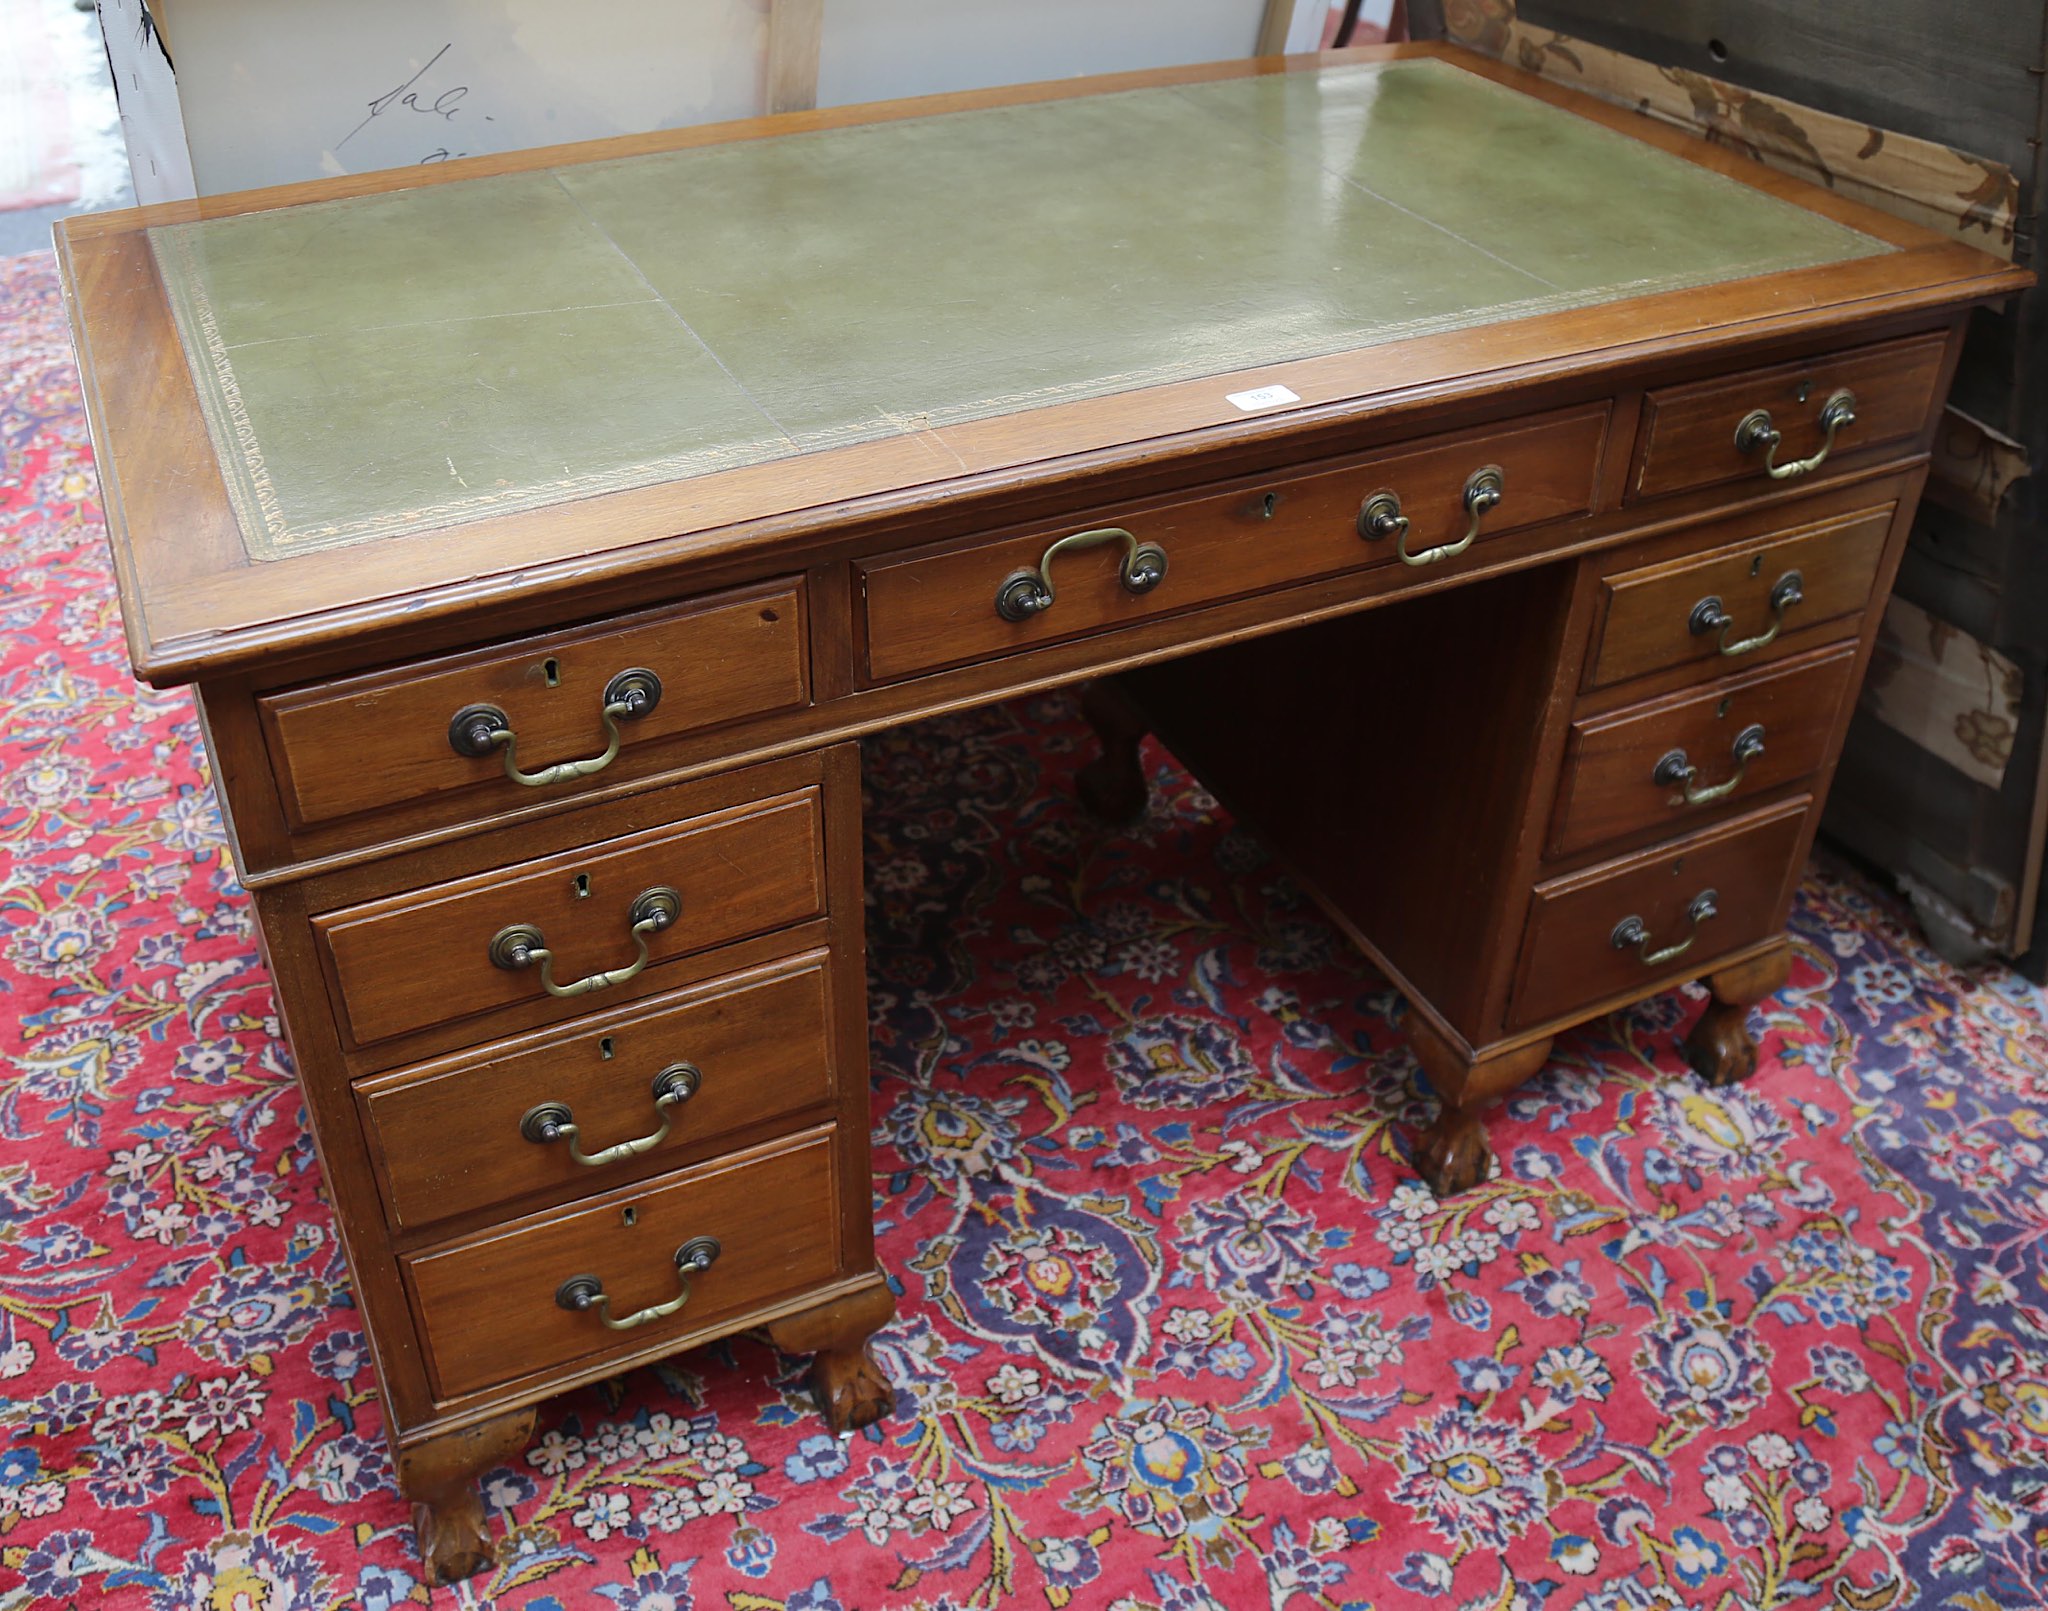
<point>795,30</point>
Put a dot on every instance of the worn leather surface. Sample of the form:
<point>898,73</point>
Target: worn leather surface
<point>393,363</point>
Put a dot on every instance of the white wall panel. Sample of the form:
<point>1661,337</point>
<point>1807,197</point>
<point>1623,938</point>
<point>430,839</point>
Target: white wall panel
<point>280,90</point>
<point>875,50</point>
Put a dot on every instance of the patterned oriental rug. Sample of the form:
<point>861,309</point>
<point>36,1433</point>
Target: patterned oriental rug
<point>1179,1329</point>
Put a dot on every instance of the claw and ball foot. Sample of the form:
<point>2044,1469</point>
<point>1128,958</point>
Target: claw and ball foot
<point>1720,1047</point>
<point>1452,1155</point>
<point>849,1387</point>
<point>439,1476</point>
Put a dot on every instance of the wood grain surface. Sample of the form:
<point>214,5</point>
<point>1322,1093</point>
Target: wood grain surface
<point>1689,431</point>
<point>1568,955</point>
<point>1609,791</point>
<point>923,611</point>
<point>446,1136</point>
<point>423,958</point>
<point>1646,624</point>
<point>383,739</point>
<point>487,1304</point>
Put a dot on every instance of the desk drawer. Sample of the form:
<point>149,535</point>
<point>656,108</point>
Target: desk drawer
<point>1579,947</point>
<point>389,737</point>
<point>471,1132</point>
<point>427,957</point>
<point>928,609</point>
<point>1688,436</point>
<point>1755,732</point>
<point>491,1307</point>
<point>1713,609</point>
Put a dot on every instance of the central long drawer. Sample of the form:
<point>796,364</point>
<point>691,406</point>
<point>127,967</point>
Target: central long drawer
<point>931,608</point>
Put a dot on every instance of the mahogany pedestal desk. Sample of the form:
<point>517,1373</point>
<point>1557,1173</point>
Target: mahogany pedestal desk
<point>1491,493</point>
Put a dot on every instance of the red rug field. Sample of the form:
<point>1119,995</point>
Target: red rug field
<point>1781,1345</point>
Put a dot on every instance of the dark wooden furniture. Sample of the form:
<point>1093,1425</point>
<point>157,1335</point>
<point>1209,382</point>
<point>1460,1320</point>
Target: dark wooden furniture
<point>583,1049</point>
<point>1942,787</point>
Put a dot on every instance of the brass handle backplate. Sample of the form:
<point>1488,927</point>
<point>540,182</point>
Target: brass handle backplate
<point>518,946</point>
<point>1710,615</point>
<point>1756,431</point>
<point>1674,771</point>
<point>585,1293</point>
<point>476,730</point>
<point>1028,593</point>
<point>1630,931</point>
<point>549,1122</point>
<point>1380,517</point>
<point>1484,489</point>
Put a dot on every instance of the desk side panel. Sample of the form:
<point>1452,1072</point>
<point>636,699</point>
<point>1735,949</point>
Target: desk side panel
<point>1387,759</point>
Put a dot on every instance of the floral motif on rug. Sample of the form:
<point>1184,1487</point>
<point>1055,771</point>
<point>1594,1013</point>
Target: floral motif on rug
<point>1178,1328</point>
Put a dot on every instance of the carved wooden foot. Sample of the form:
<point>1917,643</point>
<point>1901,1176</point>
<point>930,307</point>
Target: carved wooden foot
<point>1720,1048</point>
<point>849,1387</point>
<point>1112,786</point>
<point>1452,1155</point>
<point>439,1477</point>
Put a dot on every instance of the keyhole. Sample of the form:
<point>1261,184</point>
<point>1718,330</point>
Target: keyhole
<point>582,886</point>
<point>604,1049</point>
<point>551,669</point>
<point>1270,503</point>
<point>628,1215</point>
<point>1805,389</point>
<point>770,615</point>
<point>1756,565</point>
<point>1721,711</point>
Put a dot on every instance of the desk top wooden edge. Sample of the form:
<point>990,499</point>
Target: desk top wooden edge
<point>196,606</point>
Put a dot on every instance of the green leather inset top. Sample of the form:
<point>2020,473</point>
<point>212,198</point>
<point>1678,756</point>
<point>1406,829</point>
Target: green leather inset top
<point>394,363</point>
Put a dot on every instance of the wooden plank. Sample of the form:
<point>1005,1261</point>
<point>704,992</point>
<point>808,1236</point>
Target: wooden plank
<point>1955,697</point>
<point>159,14</point>
<point>2031,862</point>
<point>1274,24</point>
<point>1974,467</point>
<point>1936,182</point>
<point>795,28</point>
<point>1909,818</point>
<point>1957,75</point>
